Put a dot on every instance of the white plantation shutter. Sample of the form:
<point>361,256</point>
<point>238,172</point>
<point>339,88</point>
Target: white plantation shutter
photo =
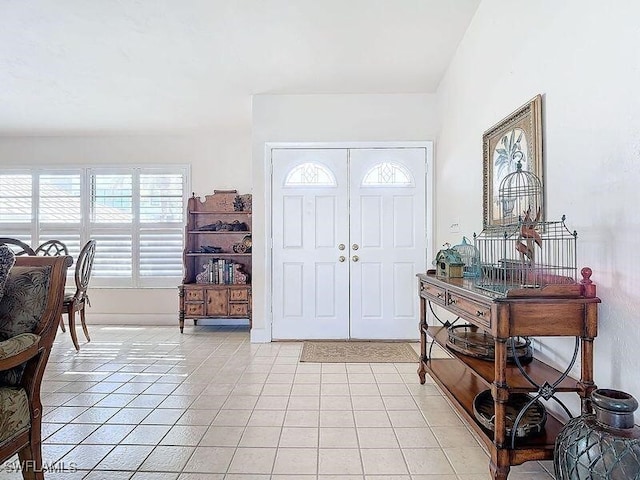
<point>160,253</point>
<point>60,211</point>
<point>161,226</point>
<point>135,214</point>
<point>113,259</point>
<point>16,201</point>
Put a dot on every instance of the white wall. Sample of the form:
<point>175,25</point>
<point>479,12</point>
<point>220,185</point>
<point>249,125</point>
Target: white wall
<point>582,55</point>
<point>323,118</point>
<point>219,160</point>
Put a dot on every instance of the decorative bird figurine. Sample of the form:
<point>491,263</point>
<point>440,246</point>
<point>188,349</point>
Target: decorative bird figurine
<point>529,234</point>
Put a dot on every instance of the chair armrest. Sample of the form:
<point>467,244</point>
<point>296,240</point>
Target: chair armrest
<point>17,350</point>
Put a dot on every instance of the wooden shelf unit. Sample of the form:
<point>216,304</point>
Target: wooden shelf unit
<point>556,310</point>
<point>206,299</point>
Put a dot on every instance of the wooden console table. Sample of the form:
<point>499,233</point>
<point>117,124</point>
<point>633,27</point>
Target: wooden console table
<point>555,310</point>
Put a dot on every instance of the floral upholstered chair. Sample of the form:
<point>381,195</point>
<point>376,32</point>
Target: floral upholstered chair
<point>31,295</point>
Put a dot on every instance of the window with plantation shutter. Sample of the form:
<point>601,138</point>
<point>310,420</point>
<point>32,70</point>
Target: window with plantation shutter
<point>161,220</point>
<point>59,200</point>
<point>135,214</point>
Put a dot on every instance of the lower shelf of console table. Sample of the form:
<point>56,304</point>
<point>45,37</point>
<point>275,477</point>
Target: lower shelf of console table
<point>462,378</point>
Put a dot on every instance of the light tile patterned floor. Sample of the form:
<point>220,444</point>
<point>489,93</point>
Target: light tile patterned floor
<point>147,403</point>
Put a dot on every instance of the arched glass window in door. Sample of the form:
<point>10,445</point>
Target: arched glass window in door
<point>388,174</point>
<point>310,174</point>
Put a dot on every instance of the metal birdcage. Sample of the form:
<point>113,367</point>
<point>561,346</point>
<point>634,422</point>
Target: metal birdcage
<point>469,255</point>
<point>520,191</point>
<point>527,254</point>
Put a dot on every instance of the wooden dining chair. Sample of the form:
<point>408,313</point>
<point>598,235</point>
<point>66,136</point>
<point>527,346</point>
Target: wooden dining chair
<point>18,246</point>
<point>30,309</point>
<point>52,248</point>
<point>77,301</point>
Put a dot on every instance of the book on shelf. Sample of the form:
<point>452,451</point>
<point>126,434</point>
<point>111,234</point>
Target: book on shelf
<point>225,272</point>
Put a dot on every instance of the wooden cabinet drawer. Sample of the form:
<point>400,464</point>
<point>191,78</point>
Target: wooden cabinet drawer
<point>238,294</point>
<point>194,294</point>
<point>238,309</point>
<point>432,292</point>
<point>194,309</point>
<point>474,312</point>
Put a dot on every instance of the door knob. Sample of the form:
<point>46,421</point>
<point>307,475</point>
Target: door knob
<point>341,258</point>
<point>341,246</point>
<point>355,258</point>
<point>355,246</point>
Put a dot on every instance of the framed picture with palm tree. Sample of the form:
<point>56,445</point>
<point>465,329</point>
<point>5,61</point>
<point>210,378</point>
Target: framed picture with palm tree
<point>511,147</point>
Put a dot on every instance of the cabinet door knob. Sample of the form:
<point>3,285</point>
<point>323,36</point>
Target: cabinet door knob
<point>355,258</point>
<point>341,258</point>
<point>341,246</point>
<point>355,246</point>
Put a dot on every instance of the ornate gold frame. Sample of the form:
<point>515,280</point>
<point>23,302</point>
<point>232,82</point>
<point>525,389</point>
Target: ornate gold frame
<point>528,119</point>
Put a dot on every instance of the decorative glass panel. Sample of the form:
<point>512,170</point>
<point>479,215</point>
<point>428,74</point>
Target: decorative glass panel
<point>310,173</point>
<point>387,174</point>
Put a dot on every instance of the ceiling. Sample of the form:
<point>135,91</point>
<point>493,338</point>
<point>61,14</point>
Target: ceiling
<point>153,65</point>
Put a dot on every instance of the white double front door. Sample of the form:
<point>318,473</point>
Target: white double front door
<point>348,230</point>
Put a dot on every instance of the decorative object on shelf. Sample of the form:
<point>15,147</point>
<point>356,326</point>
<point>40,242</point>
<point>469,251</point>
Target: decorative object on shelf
<point>528,237</point>
<point>220,226</point>
<point>527,415</point>
<point>602,446</point>
<point>448,263</point>
<point>240,277</point>
<point>210,249</point>
<point>514,143</point>
<point>469,340</point>
<point>246,241</point>
<point>238,203</point>
<point>469,255</point>
<point>205,275</point>
<point>508,259</point>
<point>239,248</point>
<point>244,246</point>
<point>247,199</point>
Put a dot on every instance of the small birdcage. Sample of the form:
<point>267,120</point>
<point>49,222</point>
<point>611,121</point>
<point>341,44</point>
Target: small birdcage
<point>527,254</point>
<point>469,255</point>
<point>519,192</point>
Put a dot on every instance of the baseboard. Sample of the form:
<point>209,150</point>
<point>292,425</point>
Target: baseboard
<point>155,319</point>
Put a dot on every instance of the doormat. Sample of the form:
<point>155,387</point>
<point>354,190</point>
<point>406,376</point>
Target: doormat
<point>358,352</point>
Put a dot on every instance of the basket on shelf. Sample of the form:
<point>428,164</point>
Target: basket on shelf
<point>531,423</point>
<point>468,340</point>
